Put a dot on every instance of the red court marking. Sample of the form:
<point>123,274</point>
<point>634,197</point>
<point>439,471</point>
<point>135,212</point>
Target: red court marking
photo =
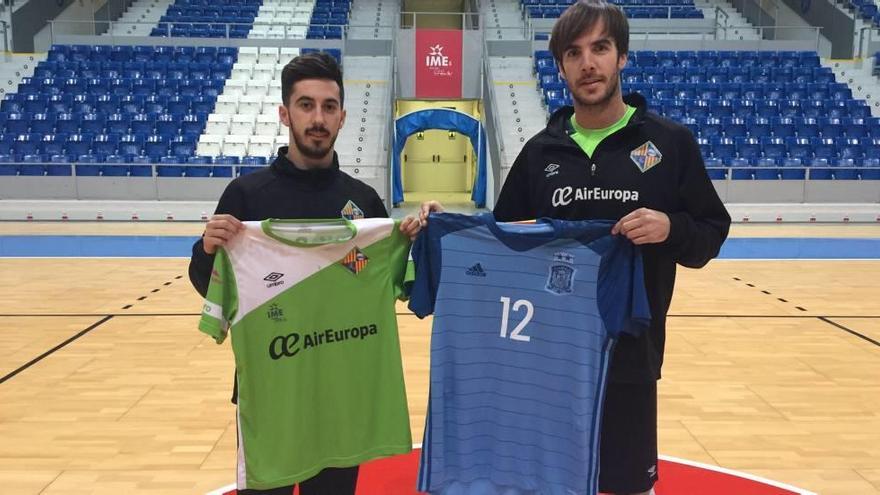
<point>397,476</point>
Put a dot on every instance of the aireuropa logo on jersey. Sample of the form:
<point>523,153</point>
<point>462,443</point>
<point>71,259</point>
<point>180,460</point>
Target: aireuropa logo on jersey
<point>289,345</point>
<point>563,196</point>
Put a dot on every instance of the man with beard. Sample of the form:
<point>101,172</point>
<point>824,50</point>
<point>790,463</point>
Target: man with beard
<point>303,182</point>
<point>610,158</point>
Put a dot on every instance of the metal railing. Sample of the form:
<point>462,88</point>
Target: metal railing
<point>290,30</point>
<point>468,21</point>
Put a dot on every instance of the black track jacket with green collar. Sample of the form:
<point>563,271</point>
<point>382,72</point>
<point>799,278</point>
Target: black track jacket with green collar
<point>653,163</point>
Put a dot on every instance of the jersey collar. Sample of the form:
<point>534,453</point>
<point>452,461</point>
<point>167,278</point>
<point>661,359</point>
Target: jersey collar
<point>308,233</point>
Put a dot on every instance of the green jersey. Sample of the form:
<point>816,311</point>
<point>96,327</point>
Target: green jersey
<point>310,305</point>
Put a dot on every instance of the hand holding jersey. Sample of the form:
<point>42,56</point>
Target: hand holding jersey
<point>643,226</point>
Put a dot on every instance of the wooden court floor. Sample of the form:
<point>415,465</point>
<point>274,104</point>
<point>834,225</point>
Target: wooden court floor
<point>772,368</point>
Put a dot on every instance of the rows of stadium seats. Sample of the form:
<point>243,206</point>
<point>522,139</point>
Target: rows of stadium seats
<point>329,19</point>
<point>128,54</point>
<point>138,166</point>
<point>867,10</point>
<point>645,3</point>
<point>90,106</point>
<point>780,111</point>
<point>323,19</point>
<point>677,11</point>
<point>689,59</point>
<point>208,19</point>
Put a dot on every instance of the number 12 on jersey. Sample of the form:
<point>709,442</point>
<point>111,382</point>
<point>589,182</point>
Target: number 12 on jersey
<point>505,316</point>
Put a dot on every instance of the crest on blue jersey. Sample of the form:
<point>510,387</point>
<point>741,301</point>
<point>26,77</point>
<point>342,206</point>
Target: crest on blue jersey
<point>646,156</point>
<point>560,280</point>
<point>351,211</point>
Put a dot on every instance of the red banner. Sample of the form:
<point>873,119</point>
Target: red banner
<point>438,63</point>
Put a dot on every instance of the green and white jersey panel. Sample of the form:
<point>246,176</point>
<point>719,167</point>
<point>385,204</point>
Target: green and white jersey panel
<point>310,307</point>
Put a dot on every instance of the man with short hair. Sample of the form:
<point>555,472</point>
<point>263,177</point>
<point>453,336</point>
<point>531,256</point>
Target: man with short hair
<point>303,182</point>
<point>610,158</point>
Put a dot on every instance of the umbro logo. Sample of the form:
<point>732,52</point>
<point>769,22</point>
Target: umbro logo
<point>476,271</point>
<point>551,170</point>
<point>274,279</point>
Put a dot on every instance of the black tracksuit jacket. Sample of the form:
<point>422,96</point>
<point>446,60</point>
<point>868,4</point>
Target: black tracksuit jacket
<point>283,191</point>
<point>553,177</point>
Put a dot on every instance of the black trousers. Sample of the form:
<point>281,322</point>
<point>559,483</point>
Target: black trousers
<point>330,481</point>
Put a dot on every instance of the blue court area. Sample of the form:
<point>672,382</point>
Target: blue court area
<point>180,246</point>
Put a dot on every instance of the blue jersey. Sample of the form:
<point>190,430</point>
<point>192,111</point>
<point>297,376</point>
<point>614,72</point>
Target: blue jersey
<point>525,317</point>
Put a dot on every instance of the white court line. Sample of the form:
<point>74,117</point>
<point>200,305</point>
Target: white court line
<point>738,474</point>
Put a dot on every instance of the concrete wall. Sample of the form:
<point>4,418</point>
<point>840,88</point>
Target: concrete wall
<point>787,17</point>
<point>30,20</point>
<point>837,26</point>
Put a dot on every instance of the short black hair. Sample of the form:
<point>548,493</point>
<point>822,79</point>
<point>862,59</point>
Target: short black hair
<point>583,15</point>
<point>315,65</point>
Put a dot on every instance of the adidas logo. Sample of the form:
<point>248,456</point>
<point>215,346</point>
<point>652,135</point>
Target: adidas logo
<point>476,271</point>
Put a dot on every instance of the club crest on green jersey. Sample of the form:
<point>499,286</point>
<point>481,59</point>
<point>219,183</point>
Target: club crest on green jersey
<point>646,156</point>
<point>355,260</point>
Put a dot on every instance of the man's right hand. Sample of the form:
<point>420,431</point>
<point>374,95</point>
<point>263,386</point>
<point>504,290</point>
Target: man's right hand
<point>427,208</point>
<point>220,230</point>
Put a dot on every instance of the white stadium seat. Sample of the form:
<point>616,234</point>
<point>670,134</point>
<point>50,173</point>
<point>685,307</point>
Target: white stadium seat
<point>235,145</point>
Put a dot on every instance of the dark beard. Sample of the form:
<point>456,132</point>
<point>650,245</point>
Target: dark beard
<point>604,101</point>
<point>313,152</point>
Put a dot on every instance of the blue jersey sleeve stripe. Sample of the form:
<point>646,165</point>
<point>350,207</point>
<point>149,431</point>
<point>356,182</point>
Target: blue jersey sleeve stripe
<point>450,329</point>
<point>453,362</point>
<point>544,386</point>
<point>520,462</point>
<point>517,256</point>
<point>586,410</point>
<point>501,352</point>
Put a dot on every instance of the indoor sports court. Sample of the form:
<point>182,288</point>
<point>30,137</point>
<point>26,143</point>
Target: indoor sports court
<point>110,387</point>
<point>123,121</point>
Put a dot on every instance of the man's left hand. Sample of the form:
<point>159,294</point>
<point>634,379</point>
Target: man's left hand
<point>643,226</point>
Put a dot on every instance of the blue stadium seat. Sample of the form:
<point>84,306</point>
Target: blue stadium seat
<point>845,169</point>
<point>52,144</point>
<point>88,165</point>
<point>766,169</point>
<point>59,166</point>
<point>130,144</point>
<point>194,170</point>
<point>792,169</point>
<point>170,166</point>
<point>715,168</point>
<point>819,169</point>
<point>7,165</point>
<point>26,144</point>
<point>32,165</point>
<point>741,169</point>
<point>141,166</point>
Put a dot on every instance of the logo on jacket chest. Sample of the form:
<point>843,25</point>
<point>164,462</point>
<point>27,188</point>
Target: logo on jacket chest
<point>646,156</point>
<point>351,211</point>
<point>564,196</point>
